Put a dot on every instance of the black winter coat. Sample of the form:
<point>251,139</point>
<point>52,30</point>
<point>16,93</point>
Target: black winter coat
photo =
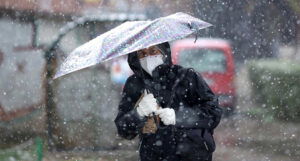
<point>196,108</point>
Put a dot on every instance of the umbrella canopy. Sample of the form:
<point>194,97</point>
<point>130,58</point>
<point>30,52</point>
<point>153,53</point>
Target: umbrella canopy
<point>129,37</point>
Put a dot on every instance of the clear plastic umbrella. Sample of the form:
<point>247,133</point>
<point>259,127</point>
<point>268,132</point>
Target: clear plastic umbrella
<point>129,37</point>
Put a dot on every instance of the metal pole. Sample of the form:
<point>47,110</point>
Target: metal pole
<point>50,104</point>
<point>39,148</point>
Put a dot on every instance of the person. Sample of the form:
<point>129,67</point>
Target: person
<point>170,107</point>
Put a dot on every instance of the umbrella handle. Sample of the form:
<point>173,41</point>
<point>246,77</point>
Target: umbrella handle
<point>155,117</point>
<point>147,91</point>
<point>156,120</point>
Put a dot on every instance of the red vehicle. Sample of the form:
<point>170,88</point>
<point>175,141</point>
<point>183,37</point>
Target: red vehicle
<point>213,59</point>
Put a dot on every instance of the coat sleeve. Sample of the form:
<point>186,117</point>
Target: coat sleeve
<point>128,122</point>
<point>201,109</point>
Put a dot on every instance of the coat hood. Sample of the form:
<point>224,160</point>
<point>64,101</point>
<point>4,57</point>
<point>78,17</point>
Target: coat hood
<point>136,67</point>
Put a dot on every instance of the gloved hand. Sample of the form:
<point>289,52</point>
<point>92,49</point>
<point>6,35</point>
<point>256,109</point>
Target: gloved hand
<point>147,105</point>
<point>167,115</point>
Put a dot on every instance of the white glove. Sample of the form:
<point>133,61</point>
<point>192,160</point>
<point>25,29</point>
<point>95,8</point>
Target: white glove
<point>167,115</point>
<point>147,105</point>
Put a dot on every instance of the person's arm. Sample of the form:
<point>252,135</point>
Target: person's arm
<point>128,121</point>
<point>202,109</point>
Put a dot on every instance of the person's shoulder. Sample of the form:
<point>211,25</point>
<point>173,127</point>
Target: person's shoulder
<point>133,86</point>
<point>133,80</point>
<point>185,70</point>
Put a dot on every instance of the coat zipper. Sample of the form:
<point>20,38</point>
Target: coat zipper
<point>141,143</point>
<point>206,146</point>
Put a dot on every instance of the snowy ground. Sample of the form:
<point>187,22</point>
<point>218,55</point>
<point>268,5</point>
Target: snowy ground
<point>241,138</point>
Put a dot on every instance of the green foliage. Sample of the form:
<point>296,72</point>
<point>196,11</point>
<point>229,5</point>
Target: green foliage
<point>276,86</point>
<point>260,113</point>
<point>17,153</point>
<point>295,5</point>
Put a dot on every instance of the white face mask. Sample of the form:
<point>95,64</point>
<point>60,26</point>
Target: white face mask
<point>149,63</point>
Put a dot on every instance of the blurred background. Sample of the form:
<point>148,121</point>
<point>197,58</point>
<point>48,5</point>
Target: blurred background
<point>250,57</point>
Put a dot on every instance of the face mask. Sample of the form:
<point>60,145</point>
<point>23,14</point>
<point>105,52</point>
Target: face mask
<point>149,63</point>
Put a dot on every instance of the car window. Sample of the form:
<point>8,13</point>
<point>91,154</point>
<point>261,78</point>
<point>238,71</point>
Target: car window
<point>203,60</point>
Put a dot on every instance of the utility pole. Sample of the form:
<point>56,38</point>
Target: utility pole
<point>50,104</point>
<point>297,53</point>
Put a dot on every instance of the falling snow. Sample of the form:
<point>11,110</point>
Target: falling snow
<point>249,57</point>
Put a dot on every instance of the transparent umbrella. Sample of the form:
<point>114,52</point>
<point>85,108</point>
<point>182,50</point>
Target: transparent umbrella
<point>129,37</point>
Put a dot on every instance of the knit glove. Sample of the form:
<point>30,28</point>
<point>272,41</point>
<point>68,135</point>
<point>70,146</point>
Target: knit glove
<point>147,105</point>
<point>167,115</point>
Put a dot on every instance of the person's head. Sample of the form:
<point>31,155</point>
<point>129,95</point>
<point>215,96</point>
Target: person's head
<point>137,58</point>
<point>151,51</point>
<point>150,58</point>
